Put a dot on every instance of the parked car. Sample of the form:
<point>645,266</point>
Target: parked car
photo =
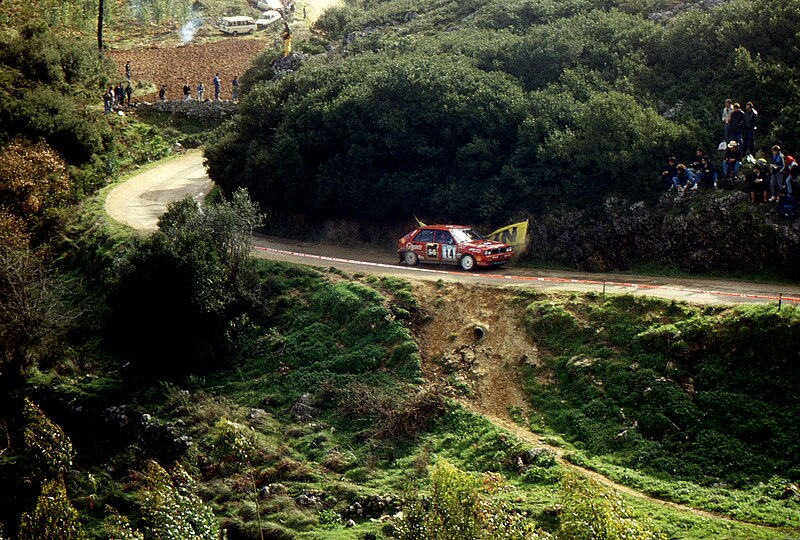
<point>267,18</point>
<point>237,25</point>
<point>452,244</point>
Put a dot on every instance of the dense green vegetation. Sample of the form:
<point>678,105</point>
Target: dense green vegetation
<point>170,387</point>
<point>483,110</point>
<point>674,398</point>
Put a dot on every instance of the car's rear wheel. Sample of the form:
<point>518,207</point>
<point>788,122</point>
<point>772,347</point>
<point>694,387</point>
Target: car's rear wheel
<point>467,262</point>
<point>410,258</point>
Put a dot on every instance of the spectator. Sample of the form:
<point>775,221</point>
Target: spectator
<point>200,90</point>
<point>791,178</point>
<point>737,124</point>
<point>777,167</point>
<point>749,131</point>
<point>128,71</point>
<point>685,178</point>
<point>235,85</point>
<point>732,161</point>
<point>119,95</point>
<point>129,92</point>
<point>162,93</point>
<point>698,154</point>
<point>756,182</point>
<point>726,117</point>
<point>708,172</point>
<point>217,84</point>
<point>187,92</point>
<point>286,36</point>
<point>670,172</point>
<point>107,100</point>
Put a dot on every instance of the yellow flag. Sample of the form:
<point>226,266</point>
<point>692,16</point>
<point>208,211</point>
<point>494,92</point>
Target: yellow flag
<point>514,235</point>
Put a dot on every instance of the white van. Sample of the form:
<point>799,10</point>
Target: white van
<point>237,25</point>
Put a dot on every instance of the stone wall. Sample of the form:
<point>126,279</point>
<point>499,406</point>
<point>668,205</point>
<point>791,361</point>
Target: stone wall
<point>207,110</point>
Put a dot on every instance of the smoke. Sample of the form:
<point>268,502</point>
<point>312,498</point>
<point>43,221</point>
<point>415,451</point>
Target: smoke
<point>189,29</point>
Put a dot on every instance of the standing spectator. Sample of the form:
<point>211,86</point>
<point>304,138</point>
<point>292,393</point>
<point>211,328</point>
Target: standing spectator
<point>726,118</point>
<point>708,172</point>
<point>778,167</point>
<point>756,182</point>
<point>162,93</point>
<point>187,92</point>
<point>200,90</point>
<point>750,126</point>
<point>732,161</point>
<point>117,95</point>
<point>286,36</point>
<point>791,177</point>
<point>107,99</point>
<point>235,85</point>
<point>129,92</point>
<point>217,83</point>
<point>737,124</point>
<point>670,172</point>
<point>128,71</point>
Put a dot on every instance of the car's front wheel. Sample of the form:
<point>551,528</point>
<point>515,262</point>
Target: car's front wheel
<point>410,258</point>
<point>467,262</point>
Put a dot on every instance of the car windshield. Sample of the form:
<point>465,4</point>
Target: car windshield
<point>465,235</point>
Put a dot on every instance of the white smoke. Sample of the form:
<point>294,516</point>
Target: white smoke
<point>189,29</point>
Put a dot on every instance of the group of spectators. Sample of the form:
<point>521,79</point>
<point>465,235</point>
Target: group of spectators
<point>117,96</point>
<point>769,179</point>
<point>201,89</point>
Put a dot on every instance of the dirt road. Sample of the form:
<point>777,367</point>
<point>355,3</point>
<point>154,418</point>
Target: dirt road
<point>140,200</point>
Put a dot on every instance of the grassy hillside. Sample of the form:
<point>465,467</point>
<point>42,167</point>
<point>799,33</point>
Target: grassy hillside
<point>202,391</point>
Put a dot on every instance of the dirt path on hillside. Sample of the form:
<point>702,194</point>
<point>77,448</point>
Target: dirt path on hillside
<point>474,341</point>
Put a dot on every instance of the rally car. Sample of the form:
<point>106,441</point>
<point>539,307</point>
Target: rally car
<point>451,244</point>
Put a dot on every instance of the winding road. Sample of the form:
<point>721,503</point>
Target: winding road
<point>140,200</point>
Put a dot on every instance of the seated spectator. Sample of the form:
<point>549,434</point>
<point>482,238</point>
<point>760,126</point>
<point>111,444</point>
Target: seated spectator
<point>732,161</point>
<point>756,183</point>
<point>686,178</point>
<point>708,173</point>
<point>670,172</point>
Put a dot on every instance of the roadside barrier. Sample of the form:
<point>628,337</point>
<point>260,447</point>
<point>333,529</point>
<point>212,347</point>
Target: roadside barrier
<point>779,298</point>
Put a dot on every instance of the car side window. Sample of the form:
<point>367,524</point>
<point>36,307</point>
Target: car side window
<point>444,237</point>
<point>425,235</point>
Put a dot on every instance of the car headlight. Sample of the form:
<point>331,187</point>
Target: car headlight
<point>487,252</point>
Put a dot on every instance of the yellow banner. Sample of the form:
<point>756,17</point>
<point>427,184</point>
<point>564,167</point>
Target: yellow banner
<point>514,235</point>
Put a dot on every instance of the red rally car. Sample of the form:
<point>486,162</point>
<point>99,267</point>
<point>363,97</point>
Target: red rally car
<point>451,244</point>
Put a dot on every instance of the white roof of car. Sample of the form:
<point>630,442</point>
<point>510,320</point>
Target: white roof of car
<point>237,18</point>
<point>269,16</point>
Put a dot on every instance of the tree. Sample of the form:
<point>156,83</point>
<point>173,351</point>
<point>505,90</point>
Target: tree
<point>33,180</point>
<point>33,314</point>
<point>184,286</point>
<point>100,14</point>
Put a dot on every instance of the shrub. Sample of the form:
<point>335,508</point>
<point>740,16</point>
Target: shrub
<point>464,506</point>
<point>591,512</point>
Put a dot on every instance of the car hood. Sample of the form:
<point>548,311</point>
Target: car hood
<point>483,244</point>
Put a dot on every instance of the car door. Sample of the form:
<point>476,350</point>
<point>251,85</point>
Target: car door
<point>446,245</point>
<point>424,245</point>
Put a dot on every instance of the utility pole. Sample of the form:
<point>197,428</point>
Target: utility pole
<point>101,8</point>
